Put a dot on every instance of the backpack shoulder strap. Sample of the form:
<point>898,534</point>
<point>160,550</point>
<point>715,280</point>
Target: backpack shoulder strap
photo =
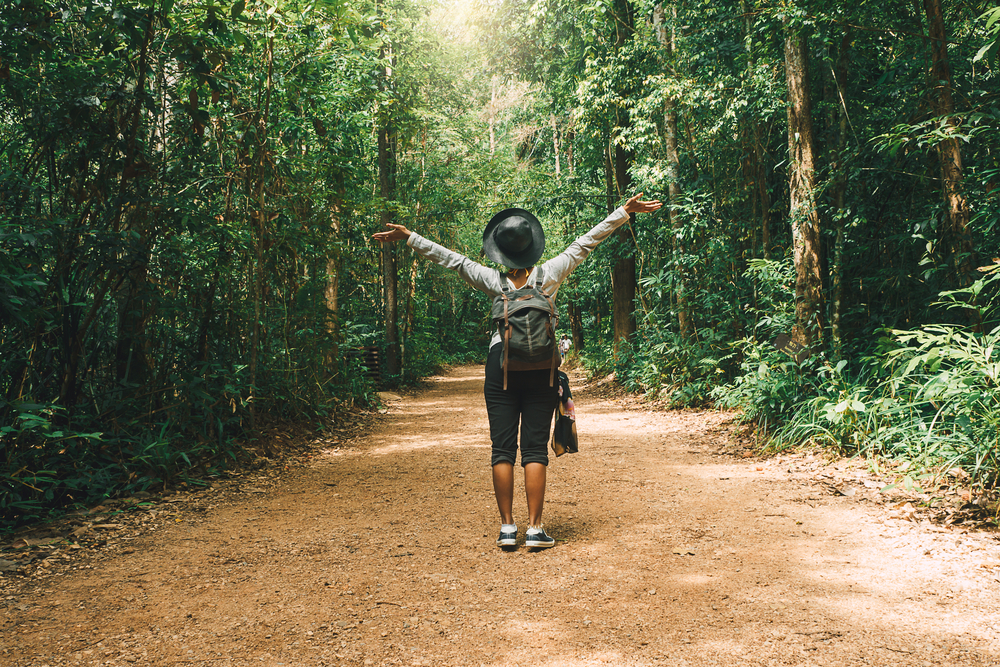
<point>504,287</point>
<point>539,277</point>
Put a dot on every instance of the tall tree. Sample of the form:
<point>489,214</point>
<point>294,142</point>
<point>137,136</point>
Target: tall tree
<point>623,274</point>
<point>665,34</point>
<point>260,216</point>
<point>835,85</point>
<point>759,134</point>
<point>803,211</point>
<point>949,150</point>
<point>331,293</point>
<point>387,147</point>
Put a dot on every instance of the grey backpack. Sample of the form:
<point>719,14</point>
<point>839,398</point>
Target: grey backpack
<point>526,319</point>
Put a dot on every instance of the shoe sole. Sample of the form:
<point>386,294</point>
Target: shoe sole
<point>507,543</point>
<point>539,545</point>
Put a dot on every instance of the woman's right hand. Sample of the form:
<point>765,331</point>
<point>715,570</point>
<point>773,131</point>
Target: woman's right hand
<point>398,233</point>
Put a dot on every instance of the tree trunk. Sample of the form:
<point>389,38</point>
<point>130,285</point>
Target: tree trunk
<point>959,240</point>
<point>260,224</point>
<point>573,309</point>
<point>411,298</point>
<point>609,176</point>
<point>386,139</point>
<point>623,281</point>
<point>576,325</point>
<point>555,143</point>
<point>684,323</point>
<point>759,135</point>
<point>493,116</point>
<point>803,212</point>
<point>331,293</point>
<point>660,25</point>
<point>390,277</point>
<point>623,274</point>
<point>837,126</point>
<point>131,362</point>
<point>568,141</point>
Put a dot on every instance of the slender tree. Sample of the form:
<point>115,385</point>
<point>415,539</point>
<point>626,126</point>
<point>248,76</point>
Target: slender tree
<point>759,133</point>
<point>835,78</point>
<point>261,217</point>
<point>387,150</point>
<point>665,35</point>
<point>623,274</point>
<point>949,150</point>
<point>802,190</point>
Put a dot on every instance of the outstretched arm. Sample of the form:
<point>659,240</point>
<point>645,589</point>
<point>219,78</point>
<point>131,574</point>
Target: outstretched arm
<point>557,268</point>
<point>476,275</point>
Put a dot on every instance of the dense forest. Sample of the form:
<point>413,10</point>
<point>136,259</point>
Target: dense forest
<point>189,190</point>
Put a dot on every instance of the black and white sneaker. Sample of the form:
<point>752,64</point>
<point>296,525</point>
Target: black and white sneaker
<point>508,538</point>
<point>536,538</point>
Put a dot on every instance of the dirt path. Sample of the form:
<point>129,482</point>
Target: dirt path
<point>381,551</point>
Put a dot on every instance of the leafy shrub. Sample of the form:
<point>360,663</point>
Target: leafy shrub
<point>929,400</point>
<point>599,360</point>
<point>42,463</point>
<point>770,385</point>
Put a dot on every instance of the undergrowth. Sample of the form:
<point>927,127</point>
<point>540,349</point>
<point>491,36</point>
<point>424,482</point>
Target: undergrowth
<point>925,402</point>
<point>922,402</point>
<point>52,462</point>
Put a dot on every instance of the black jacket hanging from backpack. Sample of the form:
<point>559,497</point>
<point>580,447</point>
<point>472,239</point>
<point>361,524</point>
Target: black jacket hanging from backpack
<point>564,437</point>
<point>526,319</point>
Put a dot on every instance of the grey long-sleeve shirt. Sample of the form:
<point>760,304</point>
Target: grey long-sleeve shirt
<point>555,270</point>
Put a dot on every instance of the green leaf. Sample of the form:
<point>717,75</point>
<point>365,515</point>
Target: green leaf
<point>994,16</point>
<point>983,51</point>
<point>238,8</point>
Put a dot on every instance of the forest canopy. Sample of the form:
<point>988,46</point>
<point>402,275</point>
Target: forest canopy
<point>189,190</point>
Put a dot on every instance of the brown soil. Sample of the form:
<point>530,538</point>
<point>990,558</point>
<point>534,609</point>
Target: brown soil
<point>379,550</point>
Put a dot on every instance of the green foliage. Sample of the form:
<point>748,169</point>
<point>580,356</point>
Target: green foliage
<point>188,192</point>
<point>930,401</point>
<point>990,52</point>
<point>716,259</point>
<point>164,237</point>
<point>930,133</point>
<point>770,385</point>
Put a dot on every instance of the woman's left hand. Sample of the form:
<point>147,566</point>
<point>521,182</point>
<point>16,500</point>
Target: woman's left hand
<point>396,233</point>
<point>633,205</point>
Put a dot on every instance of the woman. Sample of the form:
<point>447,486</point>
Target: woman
<point>514,238</point>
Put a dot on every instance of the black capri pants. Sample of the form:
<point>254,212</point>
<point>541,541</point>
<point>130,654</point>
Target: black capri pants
<point>528,401</point>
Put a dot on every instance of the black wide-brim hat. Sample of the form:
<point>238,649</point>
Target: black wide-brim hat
<point>513,237</point>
